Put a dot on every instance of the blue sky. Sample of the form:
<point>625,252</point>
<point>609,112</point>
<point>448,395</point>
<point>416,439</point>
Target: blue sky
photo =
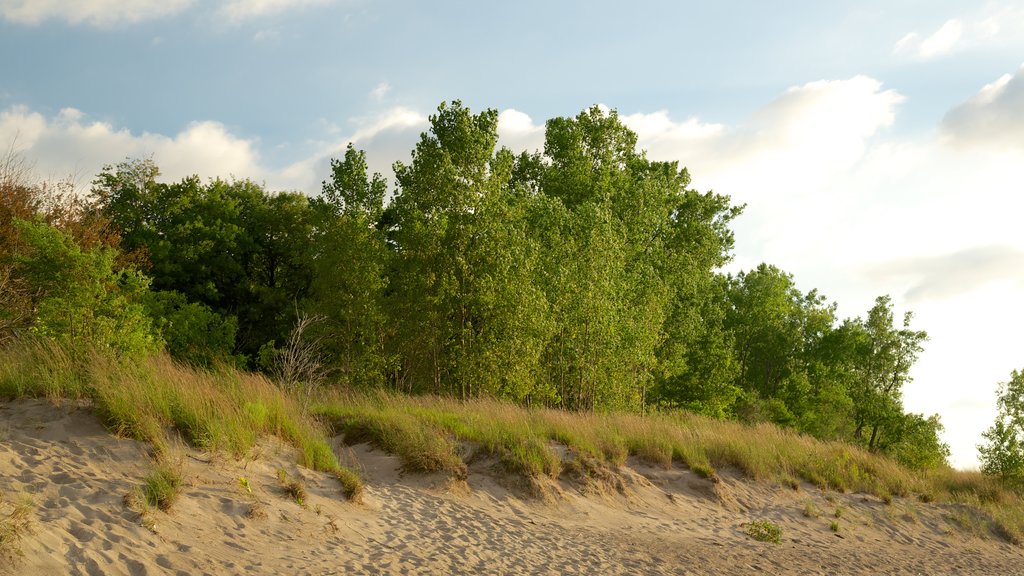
<point>877,144</point>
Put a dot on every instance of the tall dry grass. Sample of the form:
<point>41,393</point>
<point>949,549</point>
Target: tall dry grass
<point>228,410</point>
<point>219,410</point>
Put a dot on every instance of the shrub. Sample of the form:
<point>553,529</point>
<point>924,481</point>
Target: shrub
<point>162,486</point>
<point>765,531</point>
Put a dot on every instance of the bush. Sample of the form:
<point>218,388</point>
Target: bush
<point>79,298</point>
<point>1002,455</point>
<point>193,332</point>
<point>162,486</point>
<point>765,531</point>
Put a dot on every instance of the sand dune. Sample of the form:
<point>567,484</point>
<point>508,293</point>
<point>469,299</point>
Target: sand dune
<point>656,522</point>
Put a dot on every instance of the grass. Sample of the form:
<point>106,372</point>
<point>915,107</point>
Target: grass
<point>810,510</point>
<point>227,410</point>
<point>220,410</point>
<point>162,487</point>
<point>15,524</point>
<point>764,531</point>
<point>294,489</point>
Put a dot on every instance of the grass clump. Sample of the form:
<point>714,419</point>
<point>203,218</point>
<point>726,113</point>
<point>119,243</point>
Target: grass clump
<point>162,487</point>
<point>294,489</point>
<point>764,531</point>
<point>810,510</point>
<point>351,484</point>
<point>15,524</point>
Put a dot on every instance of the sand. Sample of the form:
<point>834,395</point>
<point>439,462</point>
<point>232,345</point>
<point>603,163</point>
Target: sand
<point>656,522</point>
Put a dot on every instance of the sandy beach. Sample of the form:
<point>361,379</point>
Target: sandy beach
<point>233,517</point>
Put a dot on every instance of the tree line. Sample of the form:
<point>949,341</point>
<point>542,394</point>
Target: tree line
<point>583,276</point>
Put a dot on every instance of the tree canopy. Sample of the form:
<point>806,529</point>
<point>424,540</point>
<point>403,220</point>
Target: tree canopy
<point>582,276</point>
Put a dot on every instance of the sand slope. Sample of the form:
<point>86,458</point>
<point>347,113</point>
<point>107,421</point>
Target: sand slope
<point>663,522</point>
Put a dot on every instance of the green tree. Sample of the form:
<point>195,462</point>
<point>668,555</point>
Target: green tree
<point>1002,454</point>
<point>192,332</point>
<point>231,246</point>
<point>349,280</point>
<point>79,299</point>
<point>776,330</point>
<point>884,354</point>
<point>628,261</point>
<point>469,319</point>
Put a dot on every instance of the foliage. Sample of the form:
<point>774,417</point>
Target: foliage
<point>78,297</point>
<point>192,332</point>
<point>764,531</point>
<point>162,486</point>
<point>1002,454</point>
<point>582,276</point>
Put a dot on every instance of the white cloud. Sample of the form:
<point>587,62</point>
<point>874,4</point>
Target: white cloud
<point>106,13</point>
<point>386,137</point>
<point>990,25</point>
<point>380,91</point>
<point>942,41</point>
<point>948,275</point>
<point>91,12</point>
<point>237,10</point>
<point>517,131</point>
<point>71,142</point>
<point>994,117</point>
<point>795,144</point>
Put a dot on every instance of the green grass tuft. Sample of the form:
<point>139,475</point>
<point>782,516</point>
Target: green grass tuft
<point>764,531</point>
<point>162,487</point>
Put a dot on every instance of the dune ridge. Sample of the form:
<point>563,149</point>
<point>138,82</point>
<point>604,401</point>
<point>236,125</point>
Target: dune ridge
<point>233,516</point>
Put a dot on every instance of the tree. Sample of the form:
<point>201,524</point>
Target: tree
<point>1002,454</point>
<point>884,355</point>
<point>350,260</point>
<point>78,298</point>
<point>231,246</point>
<point>776,330</point>
<point>469,320</point>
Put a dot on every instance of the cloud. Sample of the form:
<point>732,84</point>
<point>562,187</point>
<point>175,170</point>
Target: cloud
<point>380,91</point>
<point>517,131</point>
<point>794,144</point>
<point>70,141</point>
<point>961,272</point>
<point>101,13</point>
<point>237,10</point>
<point>990,25</point>
<point>385,137</point>
<point>941,42</point>
<point>107,13</point>
<point>993,117</point>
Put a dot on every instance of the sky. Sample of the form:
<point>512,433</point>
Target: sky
<point>877,144</point>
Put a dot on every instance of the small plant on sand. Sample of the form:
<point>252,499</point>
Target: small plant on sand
<point>256,511</point>
<point>838,512</point>
<point>810,510</point>
<point>351,484</point>
<point>243,483</point>
<point>293,488</point>
<point>765,531</point>
<point>162,487</point>
<point>834,526</point>
<point>15,522</point>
